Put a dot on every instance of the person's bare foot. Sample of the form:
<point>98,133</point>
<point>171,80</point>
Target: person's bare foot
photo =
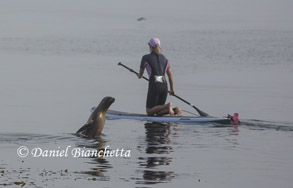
<point>178,111</point>
<point>171,112</point>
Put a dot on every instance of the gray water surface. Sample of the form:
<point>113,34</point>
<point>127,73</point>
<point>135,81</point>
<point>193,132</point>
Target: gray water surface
<point>59,59</point>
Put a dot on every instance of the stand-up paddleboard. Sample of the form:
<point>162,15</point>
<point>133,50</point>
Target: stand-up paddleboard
<point>112,114</point>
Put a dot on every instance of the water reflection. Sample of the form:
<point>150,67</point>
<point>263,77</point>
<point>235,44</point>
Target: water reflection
<point>154,177</point>
<point>158,138</point>
<point>152,162</point>
<point>102,165</point>
<point>157,143</point>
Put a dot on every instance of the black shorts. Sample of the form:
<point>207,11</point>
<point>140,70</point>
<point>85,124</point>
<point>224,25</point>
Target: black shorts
<point>157,94</point>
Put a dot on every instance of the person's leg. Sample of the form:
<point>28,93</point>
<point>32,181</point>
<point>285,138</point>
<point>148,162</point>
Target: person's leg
<point>160,110</point>
<point>162,97</point>
<point>168,110</point>
<point>156,101</point>
<point>178,111</point>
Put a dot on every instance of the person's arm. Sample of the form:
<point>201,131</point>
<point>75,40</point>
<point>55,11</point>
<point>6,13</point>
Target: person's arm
<point>171,82</point>
<point>140,74</point>
<point>141,68</point>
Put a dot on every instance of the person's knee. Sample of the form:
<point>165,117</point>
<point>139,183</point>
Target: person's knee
<point>149,112</point>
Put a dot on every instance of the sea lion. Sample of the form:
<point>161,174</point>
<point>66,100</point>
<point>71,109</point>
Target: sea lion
<point>95,124</point>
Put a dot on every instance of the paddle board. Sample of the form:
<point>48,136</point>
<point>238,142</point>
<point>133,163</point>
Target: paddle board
<point>112,114</point>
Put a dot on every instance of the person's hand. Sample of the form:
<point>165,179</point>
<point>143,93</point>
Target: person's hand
<point>171,92</point>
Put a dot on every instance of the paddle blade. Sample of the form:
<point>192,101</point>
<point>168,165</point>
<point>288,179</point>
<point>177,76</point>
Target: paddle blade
<point>201,113</point>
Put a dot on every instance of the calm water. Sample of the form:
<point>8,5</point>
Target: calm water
<point>58,59</point>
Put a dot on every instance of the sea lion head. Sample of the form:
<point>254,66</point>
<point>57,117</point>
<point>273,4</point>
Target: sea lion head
<point>105,103</point>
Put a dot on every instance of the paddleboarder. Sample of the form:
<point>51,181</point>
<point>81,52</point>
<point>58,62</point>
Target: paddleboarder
<point>157,65</point>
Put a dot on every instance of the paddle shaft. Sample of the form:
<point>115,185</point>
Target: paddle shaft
<point>201,113</point>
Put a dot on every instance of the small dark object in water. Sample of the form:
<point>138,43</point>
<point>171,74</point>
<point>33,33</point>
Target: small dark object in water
<point>141,19</point>
<point>22,183</point>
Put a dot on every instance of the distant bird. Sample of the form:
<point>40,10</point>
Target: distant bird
<point>141,19</point>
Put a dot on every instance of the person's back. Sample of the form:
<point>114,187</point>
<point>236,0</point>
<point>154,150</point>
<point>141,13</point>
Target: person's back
<point>157,65</point>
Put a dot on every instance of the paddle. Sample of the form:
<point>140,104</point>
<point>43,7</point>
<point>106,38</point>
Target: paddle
<point>201,113</point>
